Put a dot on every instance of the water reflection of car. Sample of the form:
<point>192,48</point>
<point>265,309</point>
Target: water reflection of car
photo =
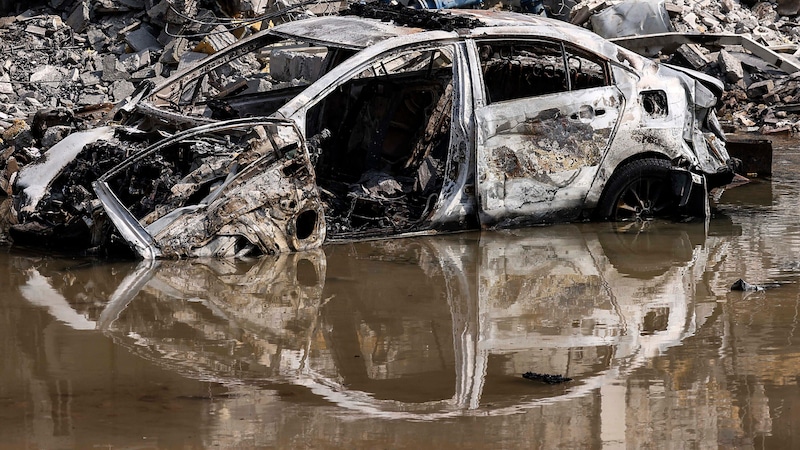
<point>433,122</point>
<point>423,329</point>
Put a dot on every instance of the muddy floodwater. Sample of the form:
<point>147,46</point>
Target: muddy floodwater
<point>422,343</point>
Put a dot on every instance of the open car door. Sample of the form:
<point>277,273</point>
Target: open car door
<point>248,188</point>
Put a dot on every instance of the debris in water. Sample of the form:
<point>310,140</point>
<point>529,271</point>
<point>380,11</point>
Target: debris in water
<point>741,285</point>
<point>545,378</point>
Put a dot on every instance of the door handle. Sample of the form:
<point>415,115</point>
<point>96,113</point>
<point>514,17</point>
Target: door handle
<point>585,113</point>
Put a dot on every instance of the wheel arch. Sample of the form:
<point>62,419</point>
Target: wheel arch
<point>602,181</point>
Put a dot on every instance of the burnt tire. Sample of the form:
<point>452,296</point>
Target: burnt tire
<point>640,190</point>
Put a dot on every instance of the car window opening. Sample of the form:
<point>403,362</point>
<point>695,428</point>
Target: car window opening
<point>386,135</point>
<point>514,70</point>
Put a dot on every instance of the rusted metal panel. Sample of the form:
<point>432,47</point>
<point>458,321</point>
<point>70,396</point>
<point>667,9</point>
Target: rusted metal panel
<point>755,154</point>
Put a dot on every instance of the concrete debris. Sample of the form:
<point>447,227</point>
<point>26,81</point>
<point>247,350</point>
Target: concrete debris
<point>768,52</point>
<point>760,89</point>
<point>79,19</point>
<point>218,39</point>
<point>287,65</point>
<point>730,67</point>
<point>693,55</point>
<point>141,40</point>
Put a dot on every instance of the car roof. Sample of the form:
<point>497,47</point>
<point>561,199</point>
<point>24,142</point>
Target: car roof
<point>356,32</point>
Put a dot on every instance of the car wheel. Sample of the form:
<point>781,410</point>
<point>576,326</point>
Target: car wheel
<point>640,190</point>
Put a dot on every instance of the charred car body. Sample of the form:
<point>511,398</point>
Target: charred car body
<point>454,121</point>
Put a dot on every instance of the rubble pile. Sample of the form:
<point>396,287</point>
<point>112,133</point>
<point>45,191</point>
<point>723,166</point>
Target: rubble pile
<point>758,97</point>
<point>72,60</point>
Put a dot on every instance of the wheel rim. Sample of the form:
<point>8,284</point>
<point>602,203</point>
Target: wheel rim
<point>644,199</point>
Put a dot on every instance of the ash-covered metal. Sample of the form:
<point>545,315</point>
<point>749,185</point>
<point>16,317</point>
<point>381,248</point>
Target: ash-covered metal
<point>404,16</point>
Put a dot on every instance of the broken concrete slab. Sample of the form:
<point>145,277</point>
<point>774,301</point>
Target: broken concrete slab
<point>121,89</point>
<point>215,41</point>
<point>33,29</point>
<point>145,73</point>
<point>33,102</point>
<point>730,67</point>
<point>173,51</point>
<point>97,39</point>
<point>92,98</point>
<point>113,69</point>
<point>135,61</point>
<point>580,15</point>
<point>90,78</point>
<point>760,89</point>
<point>142,39</point>
<point>693,55</point>
<point>190,59</point>
<point>640,44</point>
<point>80,17</point>
<point>47,74</point>
<point>288,65</point>
<point>55,134</point>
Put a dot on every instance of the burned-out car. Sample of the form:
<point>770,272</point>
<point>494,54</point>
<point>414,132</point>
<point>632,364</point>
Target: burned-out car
<point>417,122</point>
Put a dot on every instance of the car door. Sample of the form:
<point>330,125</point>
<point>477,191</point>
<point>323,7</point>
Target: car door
<point>545,114</point>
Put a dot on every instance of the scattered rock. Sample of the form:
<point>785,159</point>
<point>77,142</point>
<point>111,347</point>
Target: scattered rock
<point>693,55</point>
<point>113,69</point>
<point>121,89</point>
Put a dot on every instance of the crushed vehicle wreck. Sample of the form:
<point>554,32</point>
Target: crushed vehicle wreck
<point>433,122</point>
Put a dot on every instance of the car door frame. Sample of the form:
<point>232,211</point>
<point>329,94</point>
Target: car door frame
<point>533,204</point>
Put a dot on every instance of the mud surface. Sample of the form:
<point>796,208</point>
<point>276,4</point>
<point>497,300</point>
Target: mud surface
<point>423,343</point>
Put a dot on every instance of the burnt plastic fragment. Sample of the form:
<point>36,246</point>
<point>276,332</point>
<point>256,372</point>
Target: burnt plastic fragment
<point>546,378</point>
